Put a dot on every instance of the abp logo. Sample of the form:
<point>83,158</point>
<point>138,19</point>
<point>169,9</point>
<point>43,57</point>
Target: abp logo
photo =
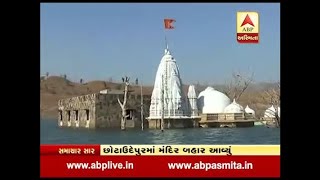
<point>248,27</point>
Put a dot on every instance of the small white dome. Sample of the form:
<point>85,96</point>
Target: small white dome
<point>192,99</point>
<point>270,112</point>
<point>192,92</point>
<point>212,101</point>
<point>234,107</point>
<point>249,110</point>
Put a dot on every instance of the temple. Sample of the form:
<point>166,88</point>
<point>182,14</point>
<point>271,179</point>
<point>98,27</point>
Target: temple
<point>216,110</point>
<point>168,101</point>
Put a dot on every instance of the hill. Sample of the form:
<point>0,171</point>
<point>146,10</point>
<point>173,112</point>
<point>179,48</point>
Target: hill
<point>54,88</point>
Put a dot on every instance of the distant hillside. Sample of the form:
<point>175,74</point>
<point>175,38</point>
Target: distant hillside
<point>54,88</point>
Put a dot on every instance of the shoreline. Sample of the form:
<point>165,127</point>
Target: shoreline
<point>54,88</point>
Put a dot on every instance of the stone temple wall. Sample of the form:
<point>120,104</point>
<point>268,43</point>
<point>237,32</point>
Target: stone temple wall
<point>108,110</point>
<point>77,111</point>
<point>99,111</point>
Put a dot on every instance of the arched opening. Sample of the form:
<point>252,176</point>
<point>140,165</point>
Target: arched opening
<point>87,114</point>
<point>130,114</point>
<point>60,115</point>
<point>77,114</point>
<point>69,115</point>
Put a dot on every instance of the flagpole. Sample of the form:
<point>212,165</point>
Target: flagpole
<point>165,39</point>
<point>168,25</point>
<point>141,113</point>
<point>165,36</point>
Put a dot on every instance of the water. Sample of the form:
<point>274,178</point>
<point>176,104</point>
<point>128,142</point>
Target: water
<point>52,134</point>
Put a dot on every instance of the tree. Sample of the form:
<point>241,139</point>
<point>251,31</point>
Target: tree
<point>137,81</point>
<point>123,104</point>
<point>238,85</point>
<point>81,81</point>
<point>65,76</point>
<point>47,74</point>
<point>272,97</point>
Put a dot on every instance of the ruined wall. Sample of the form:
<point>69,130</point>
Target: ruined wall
<point>108,110</point>
<point>99,111</point>
<point>77,111</point>
<point>134,102</point>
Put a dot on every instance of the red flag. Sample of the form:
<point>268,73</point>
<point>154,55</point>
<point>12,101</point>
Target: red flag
<point>168,23</point>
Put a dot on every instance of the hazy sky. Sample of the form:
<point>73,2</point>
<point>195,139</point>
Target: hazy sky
<point>98,41</point>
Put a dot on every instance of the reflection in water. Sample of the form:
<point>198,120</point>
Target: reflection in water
<point>52,134</point>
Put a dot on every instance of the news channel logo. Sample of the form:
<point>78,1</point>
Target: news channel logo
<point>248,27</point>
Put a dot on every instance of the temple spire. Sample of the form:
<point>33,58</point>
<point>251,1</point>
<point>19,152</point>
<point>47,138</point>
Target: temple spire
<point>166,42</point>
<point>166,51</point>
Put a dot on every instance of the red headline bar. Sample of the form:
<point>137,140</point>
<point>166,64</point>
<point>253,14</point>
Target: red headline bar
<point>70,150</point>
<point>158,166</point>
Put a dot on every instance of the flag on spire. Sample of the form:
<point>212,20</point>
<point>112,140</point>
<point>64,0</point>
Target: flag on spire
<point>168,23</point>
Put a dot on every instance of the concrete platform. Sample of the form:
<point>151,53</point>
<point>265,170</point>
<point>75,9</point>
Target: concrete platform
<point>174,122</point>
<point>226,123</point>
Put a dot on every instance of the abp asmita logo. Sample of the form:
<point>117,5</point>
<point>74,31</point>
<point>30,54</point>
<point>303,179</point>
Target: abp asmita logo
<point>248,27</point>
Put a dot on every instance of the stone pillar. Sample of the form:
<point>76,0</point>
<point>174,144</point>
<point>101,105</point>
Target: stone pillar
<point>87,123</point>
<point>77,123</point>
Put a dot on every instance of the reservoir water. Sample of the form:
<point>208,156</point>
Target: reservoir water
<point>50,133</point>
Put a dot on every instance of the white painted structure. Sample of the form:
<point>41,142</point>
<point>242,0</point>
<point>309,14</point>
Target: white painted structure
<point>234,107</point>
<point>111,91</point>
<point>248,110</point>
<point>211,101</point>
<point>192,98</point>
<point>270,112</point>
<point>167,91</point>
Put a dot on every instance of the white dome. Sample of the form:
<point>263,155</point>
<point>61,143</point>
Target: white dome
<point>212,101</point>
<point>249,110</point>
<point>234,107</point>
<point>270,112</point>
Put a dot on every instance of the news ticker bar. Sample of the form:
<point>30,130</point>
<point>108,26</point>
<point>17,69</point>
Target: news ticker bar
<point>160,150</point>
<point>160,160</point>
<point>159,166</point>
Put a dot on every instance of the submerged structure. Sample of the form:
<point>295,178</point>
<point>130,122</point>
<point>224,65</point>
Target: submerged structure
<point>169,106</point>
<point>99,110</point>
<point>271,115</point>
<point>217,111</point>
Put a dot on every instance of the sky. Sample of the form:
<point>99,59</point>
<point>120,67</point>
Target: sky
<point>103,41</point>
